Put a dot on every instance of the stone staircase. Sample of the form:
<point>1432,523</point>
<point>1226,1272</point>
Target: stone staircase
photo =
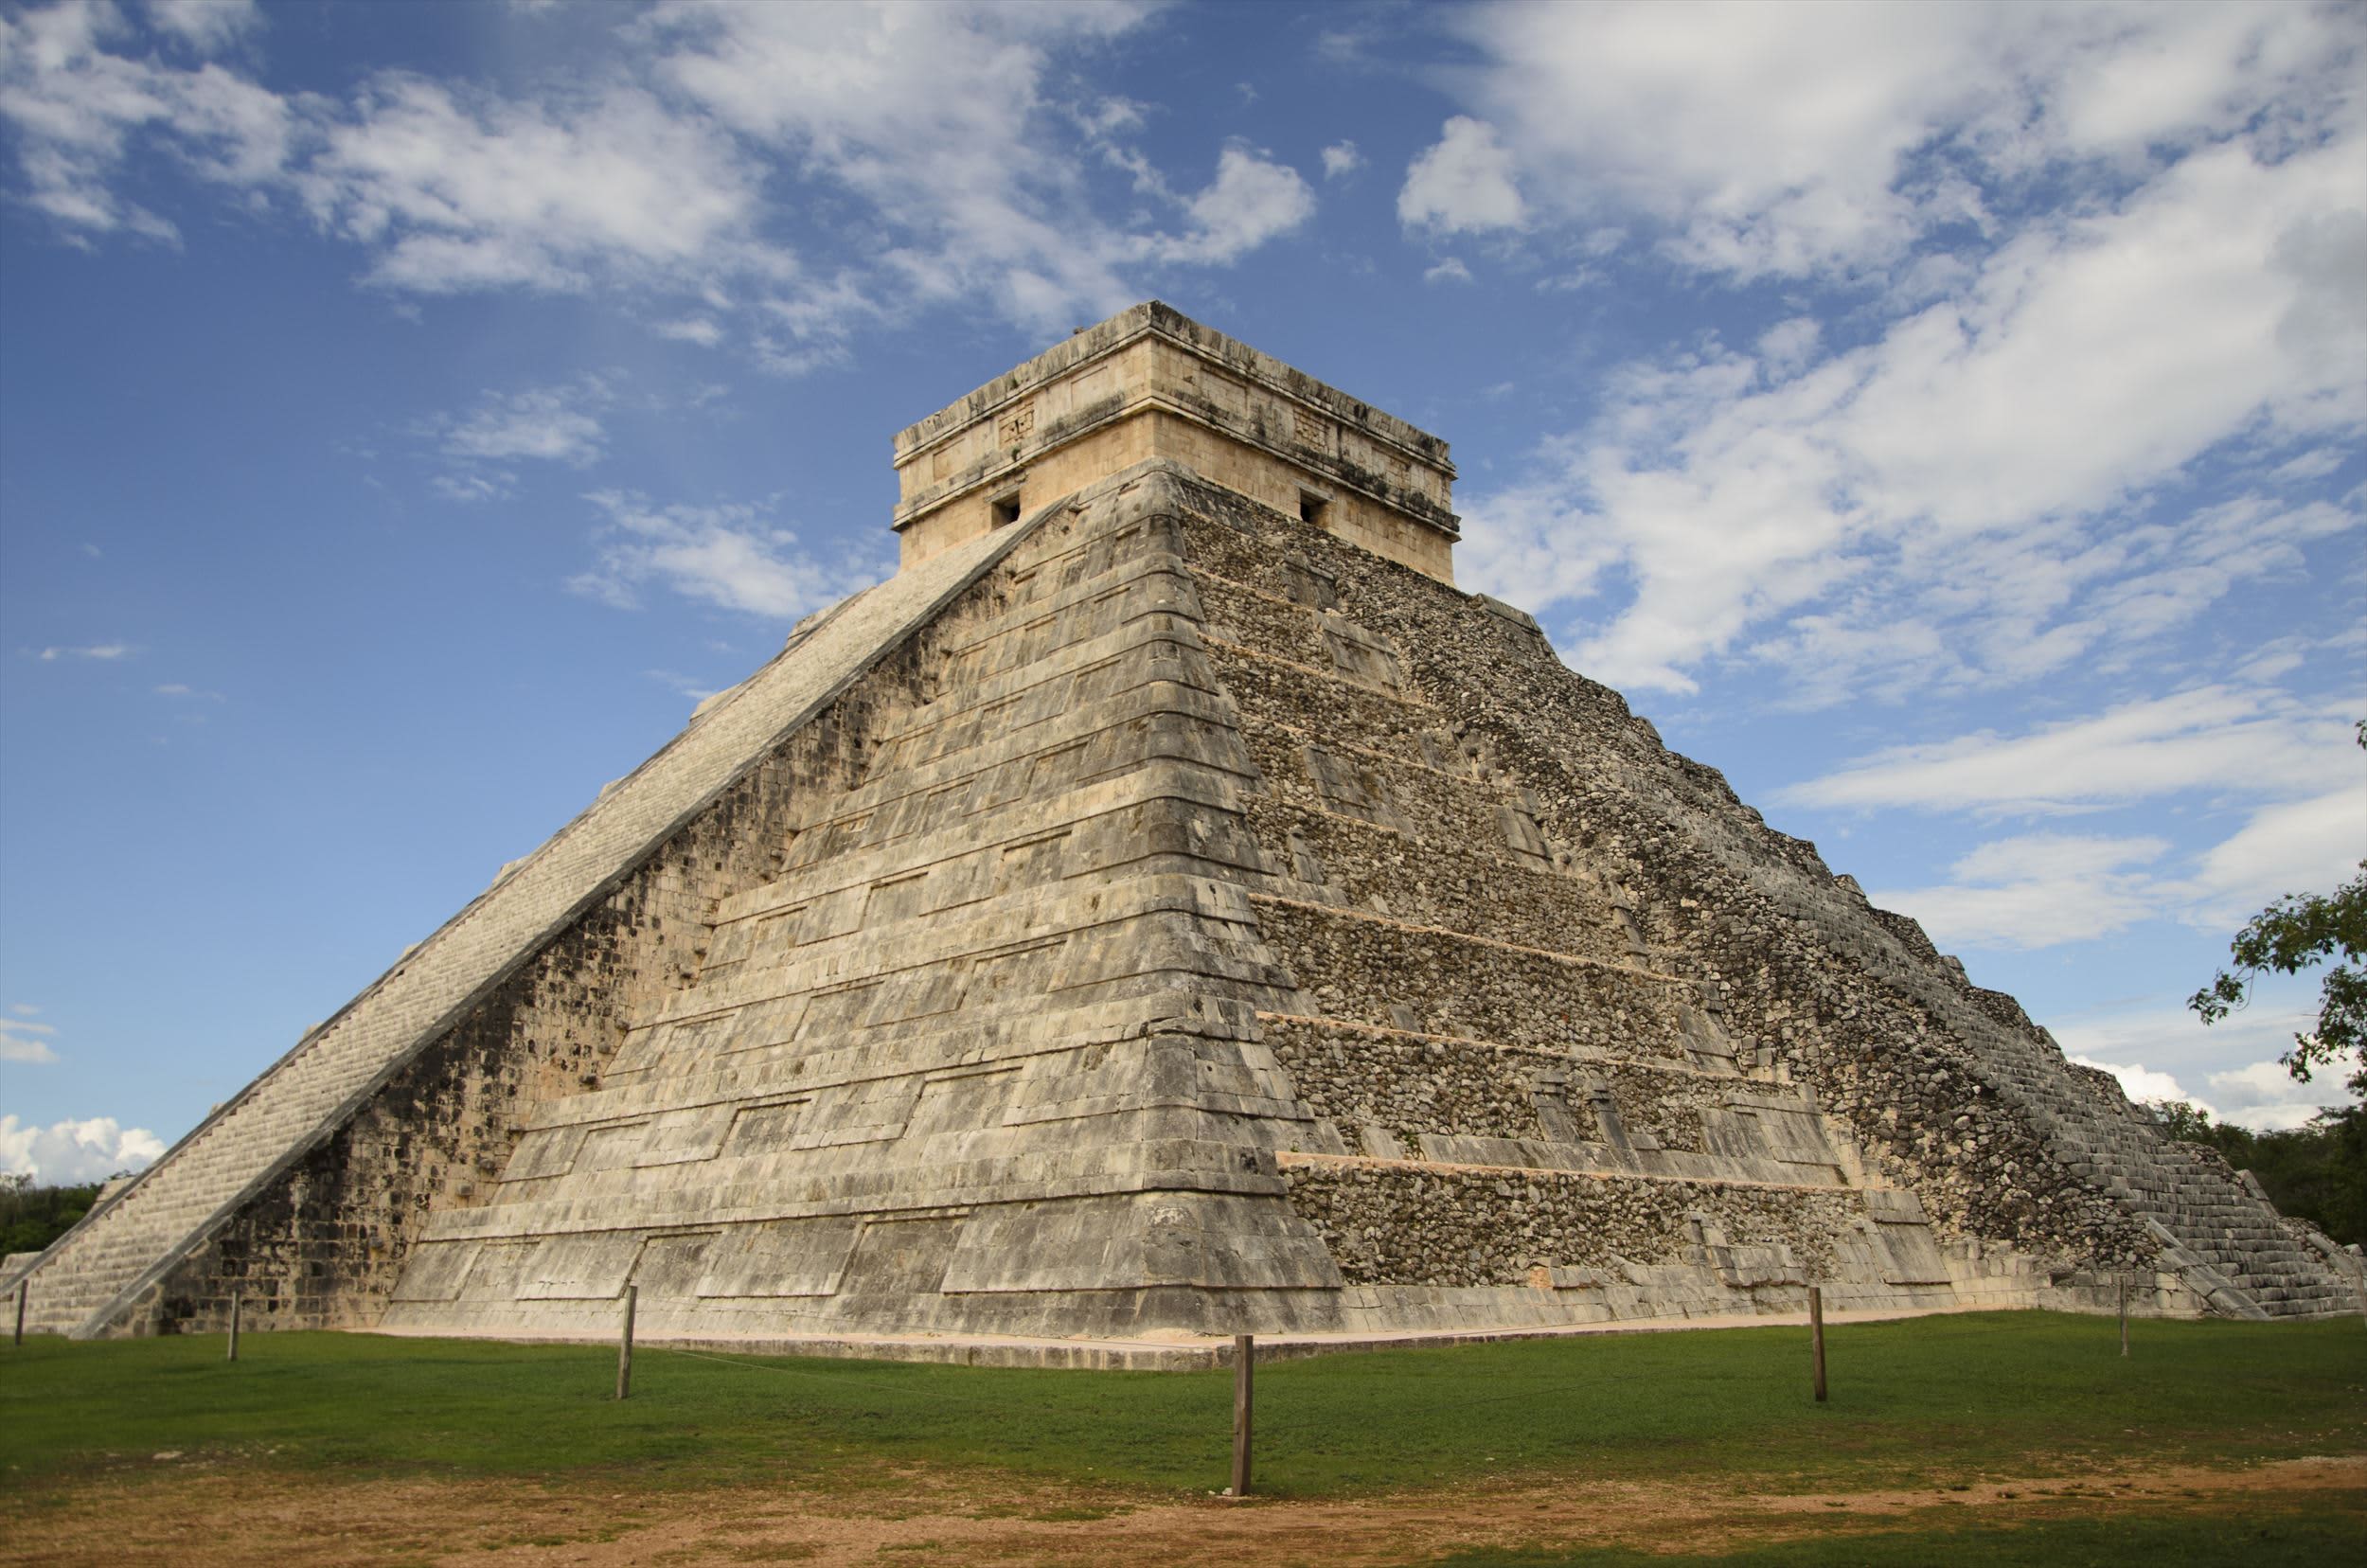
<point>80,1285</point>
<point>2232,1247</point>
<point>2216,1229</point>
<point>91,1282</point>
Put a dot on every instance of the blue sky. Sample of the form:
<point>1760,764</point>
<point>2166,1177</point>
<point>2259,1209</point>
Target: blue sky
<point>1947,420</point>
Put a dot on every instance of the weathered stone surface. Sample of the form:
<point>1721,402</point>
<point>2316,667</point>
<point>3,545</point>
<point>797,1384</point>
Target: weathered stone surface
<point>1165,913</point>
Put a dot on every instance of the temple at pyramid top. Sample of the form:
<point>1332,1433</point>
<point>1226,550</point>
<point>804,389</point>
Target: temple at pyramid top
<point>1150,383</point>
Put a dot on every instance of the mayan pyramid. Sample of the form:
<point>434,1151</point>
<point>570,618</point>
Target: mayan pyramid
<point>1168,907</point>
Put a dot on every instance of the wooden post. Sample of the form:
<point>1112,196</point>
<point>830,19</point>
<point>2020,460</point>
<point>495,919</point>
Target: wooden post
<point>234,1326</point>
<point>21,1285</point>
<point>1816,1338</point>
<point>624,1347</point>
<point>1244,1372</point>
<point>2123,1315</point>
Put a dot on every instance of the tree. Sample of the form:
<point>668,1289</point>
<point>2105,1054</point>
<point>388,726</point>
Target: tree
<point>2298,931</point>
<point>31,1217</point>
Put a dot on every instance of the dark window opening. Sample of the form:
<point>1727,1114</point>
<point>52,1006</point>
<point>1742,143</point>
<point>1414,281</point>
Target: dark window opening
<point>1312,507</point>
<point>1005,509</point>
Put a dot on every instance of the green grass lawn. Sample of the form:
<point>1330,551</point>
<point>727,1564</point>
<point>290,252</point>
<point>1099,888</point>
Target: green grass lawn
<point>1921,1402</point>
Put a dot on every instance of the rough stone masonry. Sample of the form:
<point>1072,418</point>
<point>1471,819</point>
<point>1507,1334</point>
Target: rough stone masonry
<point>1168,907</point>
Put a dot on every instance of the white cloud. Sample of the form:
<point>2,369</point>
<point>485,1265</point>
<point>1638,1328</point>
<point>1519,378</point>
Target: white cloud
<point>102,651</point>
<point>1799,139</point>
<point>1995,459</point>
<point>77,108</point>
<point>2228,1069</point>
<point>919,142</point>
<point>206,26</point>
<point>71,1152</point>
<point>2165,1033</point>
<point>2314,464</point>
<point>2248,749</point>
<point>699,329</point>
<point>1786,347</point>
<point>2211,737</point>
<point>1463,182</point>
<point>2264,1096</point>
<point>21,1039</point>
<point>727,554</point>
<point>937,118</point>
<point>457,191</point>
<point>469,488</point>
<point>2143,1084</point>
<point>1982,466</point>
<point>2297,846</point>
<point>1342,159</point>
<point>2041,890</point>
<point>555,425</point>
<point>1251,201</point>
<point>1450,270</point>
<point>2036,890</point>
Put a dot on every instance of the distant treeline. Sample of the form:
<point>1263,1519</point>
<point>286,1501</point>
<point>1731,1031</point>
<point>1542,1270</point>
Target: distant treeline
<point>32,1217</point>
<point>2316,1172</point>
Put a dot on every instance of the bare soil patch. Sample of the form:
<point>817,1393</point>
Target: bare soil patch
<point>202,1516</point>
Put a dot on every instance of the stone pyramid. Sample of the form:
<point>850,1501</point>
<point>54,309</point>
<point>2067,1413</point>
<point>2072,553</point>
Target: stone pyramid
<point>1168,907</point>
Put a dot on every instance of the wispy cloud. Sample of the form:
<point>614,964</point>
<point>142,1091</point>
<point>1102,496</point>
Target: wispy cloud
<point>205,26</point>
<point>475,486</point>
<point>1794,141</point>
<point>2253,740</point>
<point>702,331</point>
<point>104,653</point>
<point>1986,482</point>
<point>453,190</point>
<point>21,1039</point>
<point>729,554</point>
<point>558,424</point>
<point>2038,890</point>
<point>683,183</point>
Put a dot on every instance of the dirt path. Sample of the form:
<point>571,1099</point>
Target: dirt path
<point>244,1515</point>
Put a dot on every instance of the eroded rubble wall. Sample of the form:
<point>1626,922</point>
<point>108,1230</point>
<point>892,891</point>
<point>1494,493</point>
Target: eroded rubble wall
<point>1762,1010</point>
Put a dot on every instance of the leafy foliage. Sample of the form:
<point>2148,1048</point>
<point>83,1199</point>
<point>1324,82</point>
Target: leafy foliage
<point>32,1217</point>
<point>2298,931</point>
